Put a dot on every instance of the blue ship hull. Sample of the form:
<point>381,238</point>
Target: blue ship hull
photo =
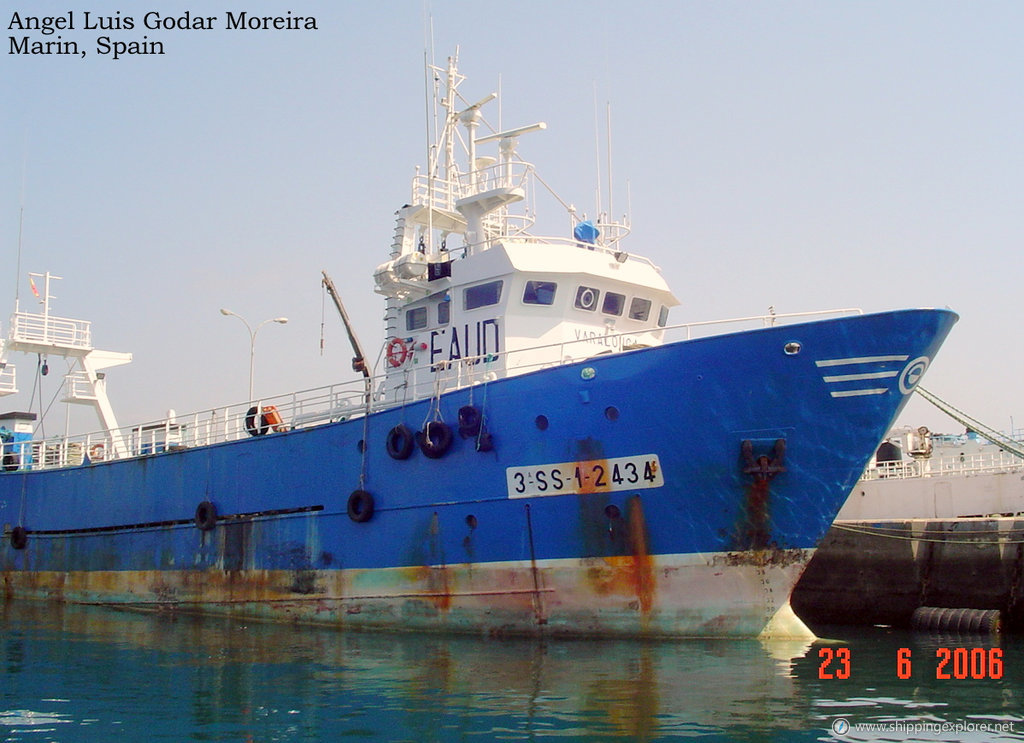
<point>669,491</point>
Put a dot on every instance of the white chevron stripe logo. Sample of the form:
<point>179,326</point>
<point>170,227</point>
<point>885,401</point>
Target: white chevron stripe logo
<point>857,378</point>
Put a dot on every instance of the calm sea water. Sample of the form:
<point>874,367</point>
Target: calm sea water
<point>93,674</point>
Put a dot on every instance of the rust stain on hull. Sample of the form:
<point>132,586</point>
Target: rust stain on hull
<point>769,557</point>
<point>643,570</point>
<point>631,574</point>
<point>591,598</point>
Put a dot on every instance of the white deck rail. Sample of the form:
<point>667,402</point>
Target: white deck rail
<point>28,327</point>
<point>329,404</point>
<point>978,463</point>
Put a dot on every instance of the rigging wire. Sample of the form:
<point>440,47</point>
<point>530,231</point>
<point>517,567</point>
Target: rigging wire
<point>1004,442</point>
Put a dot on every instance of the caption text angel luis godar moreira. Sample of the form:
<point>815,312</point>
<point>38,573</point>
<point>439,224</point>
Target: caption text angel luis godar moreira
<point>47,34</point>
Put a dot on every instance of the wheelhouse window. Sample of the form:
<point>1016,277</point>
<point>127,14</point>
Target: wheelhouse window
<point>639,309</point>
<point>416,318</point>
<point>444,312</point>
<point>539,292</point>
<point>663,317</point>
<point>613,303</point>
<point>482,295</point>
<point>586,298</point>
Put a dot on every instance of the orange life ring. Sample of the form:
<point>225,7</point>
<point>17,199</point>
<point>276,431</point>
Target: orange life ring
<point>272,418</point>
<point>97,452</point>
<point>398,352</point>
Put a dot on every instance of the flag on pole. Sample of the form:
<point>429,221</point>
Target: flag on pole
<point>33,285</point>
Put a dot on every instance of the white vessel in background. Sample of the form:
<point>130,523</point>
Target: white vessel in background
<point>917,474</point>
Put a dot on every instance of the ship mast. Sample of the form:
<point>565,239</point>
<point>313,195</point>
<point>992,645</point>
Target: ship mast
<point>47,335</point>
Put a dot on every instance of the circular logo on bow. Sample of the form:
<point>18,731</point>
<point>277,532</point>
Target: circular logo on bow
<point>912,374</point>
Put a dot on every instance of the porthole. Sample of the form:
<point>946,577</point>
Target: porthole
<point>542,422</point>
<point>792,348</point>
<point>611,413</point>
<point>586,298</point>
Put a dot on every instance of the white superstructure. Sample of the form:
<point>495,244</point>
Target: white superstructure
<point>502,301</point>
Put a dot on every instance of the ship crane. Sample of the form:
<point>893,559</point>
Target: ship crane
<point>359,360</point>
<point>1004,442</point>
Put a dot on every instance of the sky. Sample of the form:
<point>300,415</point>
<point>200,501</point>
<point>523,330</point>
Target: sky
<point>800,155</point>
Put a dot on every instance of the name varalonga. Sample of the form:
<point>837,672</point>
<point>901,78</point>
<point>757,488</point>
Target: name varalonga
<point>157,21</point>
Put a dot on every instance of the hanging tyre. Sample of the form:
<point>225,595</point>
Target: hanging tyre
<point>19,537</point>
<point>360,506</point>
<point>255,423</point>
<point>11,461</point>
<point>400,442</point>
<point>485,442</point>
<point>435,439</point>
<point>469,421</point>
<point>206,516</point>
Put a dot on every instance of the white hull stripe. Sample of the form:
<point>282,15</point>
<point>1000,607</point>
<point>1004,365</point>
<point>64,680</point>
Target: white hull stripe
<point>859,377</point>
<point>860,393</point>
<point>861,360</point>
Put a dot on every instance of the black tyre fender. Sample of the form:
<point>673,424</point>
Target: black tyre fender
<point>435,439</point>
<point>206,516</point>
<point>400,442</point>
<point>485,442</point>
<point>255,423</point>
<point>11,461</point>
<point>360,506</point>
<point>469,421</point>
<point>19,537</point>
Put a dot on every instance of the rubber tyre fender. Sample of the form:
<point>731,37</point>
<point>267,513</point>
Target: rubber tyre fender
<point>469,421</point>
<point>19,537</point>
<point>435,439</point>
<point>400,442</point>
<point>11,461</point>
<point>485,442</point>
<point>360,506</point>
<point>206,516</point>
<point>255,423</point>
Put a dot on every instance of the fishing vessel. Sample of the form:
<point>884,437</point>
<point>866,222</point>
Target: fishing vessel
<point>537,449</point>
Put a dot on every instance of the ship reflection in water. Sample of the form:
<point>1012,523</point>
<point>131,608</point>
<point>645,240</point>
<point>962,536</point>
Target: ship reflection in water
<point>83,673</point>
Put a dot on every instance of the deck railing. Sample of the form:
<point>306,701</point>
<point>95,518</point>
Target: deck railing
<point>977,463</point>
<point>57,331</point>
<point>337,402</point>
<point>8,380</point>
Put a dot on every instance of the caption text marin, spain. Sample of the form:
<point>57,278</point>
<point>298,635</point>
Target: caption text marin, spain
<point>76,34</point>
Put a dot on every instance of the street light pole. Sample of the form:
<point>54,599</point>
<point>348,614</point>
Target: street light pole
<point>252,340</point>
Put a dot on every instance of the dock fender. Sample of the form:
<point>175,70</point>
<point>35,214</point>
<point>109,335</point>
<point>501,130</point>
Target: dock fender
<point>255,423</point>
<point>469,421</point>
<point>206,516</point>
<point>19,537</point>
<point>435,439</point>
<point>400,442</point>
<point>485,442</point>
<point>11,461</point>
<point>360,506</point>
